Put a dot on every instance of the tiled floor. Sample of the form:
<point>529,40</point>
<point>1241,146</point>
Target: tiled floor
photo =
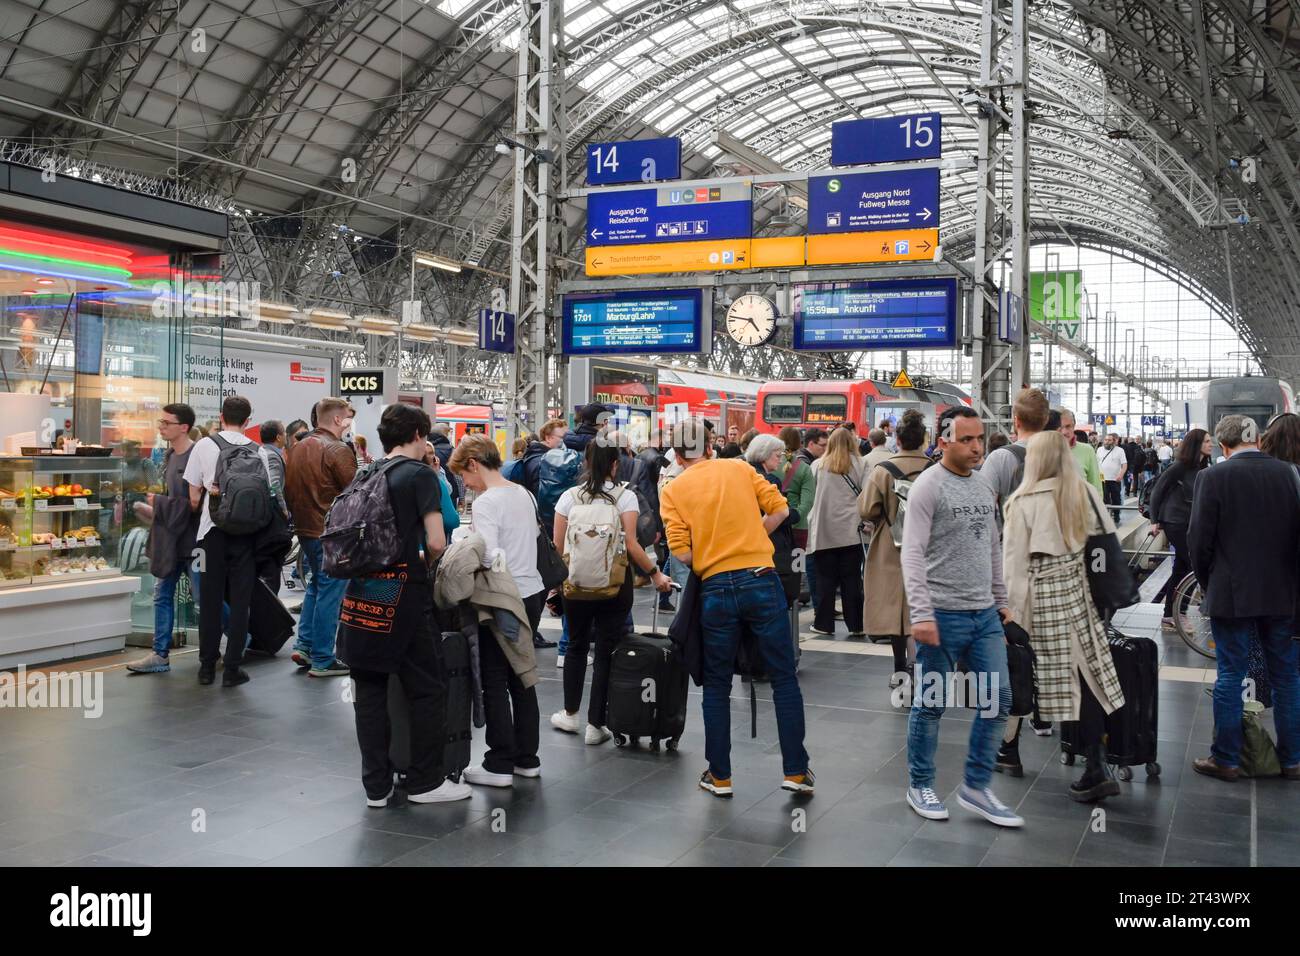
<point>178,774</point>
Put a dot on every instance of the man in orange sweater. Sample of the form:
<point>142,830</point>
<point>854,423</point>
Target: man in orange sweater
<point>717,516</point>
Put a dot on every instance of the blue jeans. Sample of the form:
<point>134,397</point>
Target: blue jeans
<point>1232,650</point>
<point>318,623</point>
<point>733,602</point>
<point>164,607</point>
<point>976,636</point>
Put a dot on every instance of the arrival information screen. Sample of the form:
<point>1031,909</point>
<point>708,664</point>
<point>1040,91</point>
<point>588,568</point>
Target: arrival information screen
<point>610,323</point>
<point>883,314</point>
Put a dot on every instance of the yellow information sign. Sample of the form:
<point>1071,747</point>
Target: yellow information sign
<point>714,255</point>
<point>894,245</point>
<point>901,380</point>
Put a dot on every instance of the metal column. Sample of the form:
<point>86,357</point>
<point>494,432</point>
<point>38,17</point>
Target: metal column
<point>539,155</point>
<point>999,371</point>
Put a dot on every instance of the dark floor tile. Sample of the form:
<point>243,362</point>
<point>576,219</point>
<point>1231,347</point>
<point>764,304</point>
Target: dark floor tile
<point>1182,852</point>
<point>716,852</point>
<point>918,852</point>
<point>473,845</point>
<point>1122,844</point>
<point>1192,823</point>
<point>68,846</point>
<point>355,846</point>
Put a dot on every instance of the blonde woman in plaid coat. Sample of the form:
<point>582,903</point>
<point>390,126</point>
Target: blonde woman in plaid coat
<point>1047,522</point>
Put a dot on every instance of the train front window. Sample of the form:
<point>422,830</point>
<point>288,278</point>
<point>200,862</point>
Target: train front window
<point>1261,414</point>
<point>783,408</point>
<point>827,409</point>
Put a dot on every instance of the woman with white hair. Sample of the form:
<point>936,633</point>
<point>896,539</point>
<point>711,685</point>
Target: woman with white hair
<point>1047,523</point>
<point>765,453</point>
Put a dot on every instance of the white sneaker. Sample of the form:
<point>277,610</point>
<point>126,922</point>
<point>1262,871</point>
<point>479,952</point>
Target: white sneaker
<point>380,802</point>
<point>528,771</point>
<point>597,735</point>
<point>569,723</point>
<point>559,661</point>
<point>486,778</point>
<point>447,792</point>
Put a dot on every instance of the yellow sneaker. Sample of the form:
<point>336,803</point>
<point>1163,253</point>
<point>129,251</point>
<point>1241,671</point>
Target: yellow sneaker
<point>719,788</point>
<point>799,782</point>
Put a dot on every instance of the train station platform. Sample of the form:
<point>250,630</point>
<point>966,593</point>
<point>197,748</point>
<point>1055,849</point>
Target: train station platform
<point>267,774</point>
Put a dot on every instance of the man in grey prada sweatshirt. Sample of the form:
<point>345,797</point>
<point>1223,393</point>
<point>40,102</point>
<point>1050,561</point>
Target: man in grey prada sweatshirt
<point>952,572</point>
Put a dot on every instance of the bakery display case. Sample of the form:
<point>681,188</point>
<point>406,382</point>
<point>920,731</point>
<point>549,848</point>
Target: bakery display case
<point>63,593</point>
<point>60,519</point>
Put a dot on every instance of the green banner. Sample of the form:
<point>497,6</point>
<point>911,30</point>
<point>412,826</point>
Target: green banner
<point>1056,299</point>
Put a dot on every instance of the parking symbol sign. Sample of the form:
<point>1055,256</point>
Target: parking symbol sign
<point>728,257</point>
<point>901,247</point>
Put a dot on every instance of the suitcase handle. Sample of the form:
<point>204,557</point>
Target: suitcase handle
<point>654,622</point>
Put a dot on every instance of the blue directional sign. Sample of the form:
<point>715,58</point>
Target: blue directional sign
<point>656,321</point>
<point>634,161</point>
<point>875,314</point>
<point>1156,421</point>
<point>680,212</point>
<point>496,331</point>
<point>868,202</point>
<point>890,140</point>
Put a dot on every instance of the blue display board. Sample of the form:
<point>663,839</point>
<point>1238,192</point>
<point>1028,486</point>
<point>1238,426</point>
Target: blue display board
<point>890,140</point>
<point>680,213</point>
<point>868,202</point>
<point>1011,318</point>
<point>496,331</point>
<point>875,314</point>
<point>634,161</point>
<point>655,321</point>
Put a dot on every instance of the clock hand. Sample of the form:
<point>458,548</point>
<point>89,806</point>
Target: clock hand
<point>751,321</point>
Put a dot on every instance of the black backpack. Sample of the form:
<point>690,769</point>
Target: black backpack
<point>243,504</point>
<point>361,535</point>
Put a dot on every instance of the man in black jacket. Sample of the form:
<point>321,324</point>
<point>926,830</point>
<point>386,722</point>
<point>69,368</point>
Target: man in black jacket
<point>1243,541</point>
<point>590,418</point>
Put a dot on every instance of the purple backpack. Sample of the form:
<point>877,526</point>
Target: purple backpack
<point>361,535</point>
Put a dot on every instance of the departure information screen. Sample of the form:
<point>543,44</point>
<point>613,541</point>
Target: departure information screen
<point>875,314</point>
<point>640,322</point>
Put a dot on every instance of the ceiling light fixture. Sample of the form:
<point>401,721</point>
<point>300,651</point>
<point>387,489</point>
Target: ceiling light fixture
<point>434,261</point>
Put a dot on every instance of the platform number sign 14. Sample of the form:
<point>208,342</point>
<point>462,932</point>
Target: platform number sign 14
<point>633,161</point>
<point>496,331</point>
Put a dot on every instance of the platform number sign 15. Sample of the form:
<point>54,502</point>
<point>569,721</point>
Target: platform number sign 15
<point>918,133</point>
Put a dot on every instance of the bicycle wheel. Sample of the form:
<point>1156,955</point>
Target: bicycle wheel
<point>1192,626</point>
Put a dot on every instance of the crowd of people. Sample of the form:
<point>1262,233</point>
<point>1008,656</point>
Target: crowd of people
<point>922,534</point>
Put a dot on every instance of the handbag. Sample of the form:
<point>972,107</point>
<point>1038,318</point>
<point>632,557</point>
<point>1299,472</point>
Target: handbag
<point>1020,669</point>
<point>550,565</point>
<point>1109,578</point>
<point>1258,752</point>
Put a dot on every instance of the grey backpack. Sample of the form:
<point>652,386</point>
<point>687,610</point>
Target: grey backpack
<point>361,535</point>
<point>243,504</point>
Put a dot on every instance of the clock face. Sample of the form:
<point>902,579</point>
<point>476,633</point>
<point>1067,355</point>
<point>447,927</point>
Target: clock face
<point>751,320</point>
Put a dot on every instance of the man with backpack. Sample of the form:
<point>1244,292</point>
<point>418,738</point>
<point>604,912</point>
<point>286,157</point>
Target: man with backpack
<point>318,468</point>
<point>718,515</point>
<point>527,473</point>
<point>883,503</point>
<point>230,486</point>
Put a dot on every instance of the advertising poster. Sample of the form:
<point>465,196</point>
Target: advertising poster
<point>280,385</point>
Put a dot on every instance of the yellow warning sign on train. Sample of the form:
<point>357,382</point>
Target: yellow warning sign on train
<point>901,380</point>
<point>653,257</point>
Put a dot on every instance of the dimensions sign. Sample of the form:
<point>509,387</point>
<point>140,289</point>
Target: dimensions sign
<point>680,212</point>
<point>866,202</point>
<point>875,314</point>
<point>639,322</point>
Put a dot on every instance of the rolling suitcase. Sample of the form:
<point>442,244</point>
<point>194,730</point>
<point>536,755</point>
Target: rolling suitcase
<point>269,623</point>
<point>460,689</point>
<point>1131,730</point>
<point>647,689</point>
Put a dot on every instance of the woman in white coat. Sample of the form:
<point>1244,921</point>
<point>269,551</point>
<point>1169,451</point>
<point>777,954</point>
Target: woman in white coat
<point>1047,523</point>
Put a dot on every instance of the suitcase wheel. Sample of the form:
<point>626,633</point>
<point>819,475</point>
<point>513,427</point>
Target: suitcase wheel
<point>1067,759</point>
<point>1125,773</point>
<point>654,745</point>
<point>620,740</point>
<point>674,741</point>
<point>1153,769</point>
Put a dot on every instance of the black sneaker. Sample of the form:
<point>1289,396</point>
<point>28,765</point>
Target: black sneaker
<point>1008,761</point>
<point>336,669</point>
<point>233,677</point>
<point>541,642</point>
<point>666,604</point>
<point>1042,728</point>
<point>207,673</point>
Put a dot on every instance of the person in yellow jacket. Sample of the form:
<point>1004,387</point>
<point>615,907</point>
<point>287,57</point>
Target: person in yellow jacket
<point>717,516</point>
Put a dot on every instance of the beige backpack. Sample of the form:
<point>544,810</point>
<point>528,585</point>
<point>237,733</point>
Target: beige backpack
<point>594,548</point>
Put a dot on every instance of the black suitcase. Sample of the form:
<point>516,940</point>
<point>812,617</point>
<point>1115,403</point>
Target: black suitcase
<point>1131,730</point>
<point>647,689</point>
<point>269,623</point>
<point>460,689</point>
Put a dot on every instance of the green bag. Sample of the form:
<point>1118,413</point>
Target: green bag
<point>1258,754</point>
